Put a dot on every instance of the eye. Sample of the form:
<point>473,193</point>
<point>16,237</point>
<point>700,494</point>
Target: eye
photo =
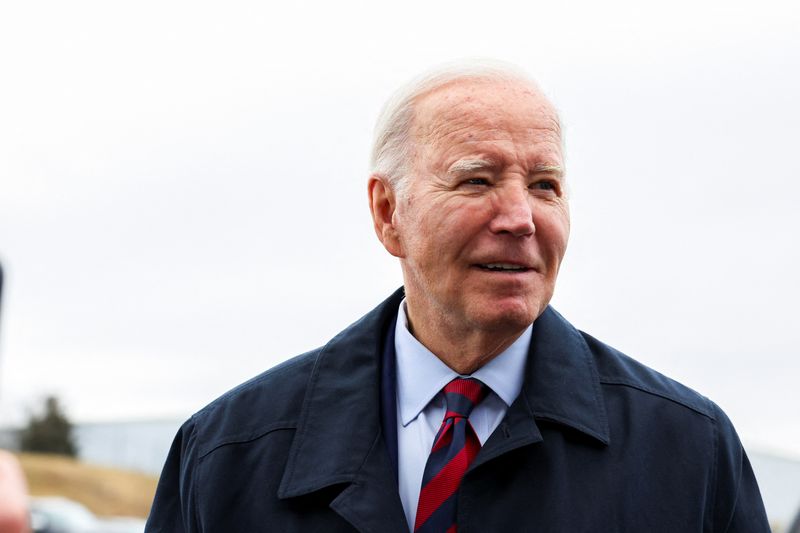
<point>476,181</point>
<point>544,186</point>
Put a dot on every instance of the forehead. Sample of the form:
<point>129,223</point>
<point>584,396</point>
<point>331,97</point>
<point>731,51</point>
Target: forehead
<point>480,113</point>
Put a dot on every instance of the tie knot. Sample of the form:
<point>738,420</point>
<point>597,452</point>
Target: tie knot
<point>462,395</point>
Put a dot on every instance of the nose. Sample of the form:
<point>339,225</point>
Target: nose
<point>513,213</point>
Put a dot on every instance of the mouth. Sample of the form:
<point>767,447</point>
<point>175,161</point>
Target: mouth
<point>502,267</point>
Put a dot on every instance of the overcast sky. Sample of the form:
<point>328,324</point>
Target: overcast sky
<point>183,188</point>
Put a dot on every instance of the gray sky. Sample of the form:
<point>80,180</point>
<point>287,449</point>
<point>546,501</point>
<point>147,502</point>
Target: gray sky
<point>183,200</point>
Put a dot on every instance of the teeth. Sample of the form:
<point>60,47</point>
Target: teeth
<point>502,266</point>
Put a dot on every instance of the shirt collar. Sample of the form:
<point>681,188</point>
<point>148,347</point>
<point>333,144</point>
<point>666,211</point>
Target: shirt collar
<point>421,375</point>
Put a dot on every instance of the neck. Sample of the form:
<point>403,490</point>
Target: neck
<point>465,349</point>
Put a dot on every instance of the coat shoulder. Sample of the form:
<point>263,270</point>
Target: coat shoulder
<point>268,402</point>
<point>616,369</point>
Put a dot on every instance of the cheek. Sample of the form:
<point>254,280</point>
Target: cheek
<point>562,230</point>
<point>554,231</point>
<point>429,224</point>
<point>436,229</point>
<point>416,233</point>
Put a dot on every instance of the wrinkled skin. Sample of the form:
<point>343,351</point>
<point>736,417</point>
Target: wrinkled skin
<point>487,188</point>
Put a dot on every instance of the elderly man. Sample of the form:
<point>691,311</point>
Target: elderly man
<point>463,402</point>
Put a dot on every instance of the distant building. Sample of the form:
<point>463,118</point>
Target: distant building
<point>140,445</point>
<point>134,445</point>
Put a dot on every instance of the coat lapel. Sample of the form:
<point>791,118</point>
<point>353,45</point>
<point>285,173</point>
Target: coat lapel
<point>372,502</point>
<point>339,438</point>
<point>561,385</point>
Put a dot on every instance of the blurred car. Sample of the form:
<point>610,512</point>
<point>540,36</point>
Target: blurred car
<point>54,514</point>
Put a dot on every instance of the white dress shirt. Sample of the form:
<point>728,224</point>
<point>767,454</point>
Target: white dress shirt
<point>421,406</point>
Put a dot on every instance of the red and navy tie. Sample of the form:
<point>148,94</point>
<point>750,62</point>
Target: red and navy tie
<point>454,448</point>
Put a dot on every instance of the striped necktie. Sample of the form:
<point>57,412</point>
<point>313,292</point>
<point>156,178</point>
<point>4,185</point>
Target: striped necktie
<point>454,448</point>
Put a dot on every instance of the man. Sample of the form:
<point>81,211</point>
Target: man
<point>463,401</point>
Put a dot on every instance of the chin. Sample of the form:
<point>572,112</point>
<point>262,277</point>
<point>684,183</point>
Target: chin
<point>508,315</point>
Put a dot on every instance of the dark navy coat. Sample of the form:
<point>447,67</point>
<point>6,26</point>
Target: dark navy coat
<point>595,442</point>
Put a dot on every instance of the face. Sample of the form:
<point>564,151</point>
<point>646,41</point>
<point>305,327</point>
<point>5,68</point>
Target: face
<point>484,222</point>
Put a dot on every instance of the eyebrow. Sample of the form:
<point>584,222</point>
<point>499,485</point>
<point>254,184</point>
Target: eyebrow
<point>463,166</point>
<point>544,168</point>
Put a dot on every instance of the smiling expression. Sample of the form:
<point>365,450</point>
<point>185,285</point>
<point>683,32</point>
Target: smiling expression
<point>483,224</point>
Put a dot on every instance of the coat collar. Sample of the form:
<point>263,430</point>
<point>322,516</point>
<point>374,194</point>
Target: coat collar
<point>338,438</point>
<point>340,417</point>
<point>562,383</point>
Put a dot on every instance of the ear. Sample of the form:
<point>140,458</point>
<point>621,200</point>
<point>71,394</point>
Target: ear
<point>382,205</point>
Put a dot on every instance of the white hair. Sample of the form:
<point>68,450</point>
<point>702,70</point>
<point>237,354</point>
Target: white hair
<point>392,149</point>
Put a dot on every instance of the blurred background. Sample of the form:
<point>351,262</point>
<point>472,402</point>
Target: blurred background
<point>179,179</point>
